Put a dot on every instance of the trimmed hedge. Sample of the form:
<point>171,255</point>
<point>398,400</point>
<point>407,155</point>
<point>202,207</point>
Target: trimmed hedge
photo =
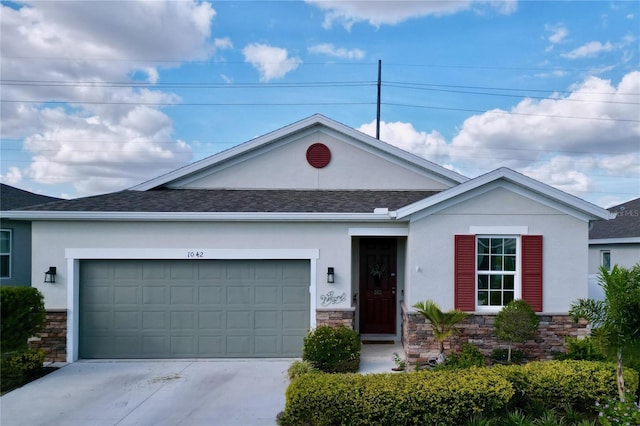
<point>417,398</point>
<point>22,315</point>
<point>333,349</point>
<point>557,383</point>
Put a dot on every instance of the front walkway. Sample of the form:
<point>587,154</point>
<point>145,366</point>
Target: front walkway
<point>378,357</point>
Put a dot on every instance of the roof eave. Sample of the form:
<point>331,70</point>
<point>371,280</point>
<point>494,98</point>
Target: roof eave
<point>199,216</point>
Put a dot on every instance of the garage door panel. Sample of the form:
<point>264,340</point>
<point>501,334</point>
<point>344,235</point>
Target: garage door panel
<point>295,295</point>
<point>182,320</point>
<point>267,320</point>
<point>238,295</point>
<point>153,270</point>
<point>126,295</point>
<point>182,295</point>
<point>210,295</point>
<point>239,320</point>
<point>267,295</point>
<point>211,321</point>
<point>187,309</point>
<point>154,321</point>
<point>153,295</point>
<point>126,321</point>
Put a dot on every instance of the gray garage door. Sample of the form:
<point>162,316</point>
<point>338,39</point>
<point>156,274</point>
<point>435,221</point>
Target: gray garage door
<point>193,309</point>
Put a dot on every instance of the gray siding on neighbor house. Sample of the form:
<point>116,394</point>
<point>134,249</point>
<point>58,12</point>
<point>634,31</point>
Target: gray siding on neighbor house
<point>20,253</point>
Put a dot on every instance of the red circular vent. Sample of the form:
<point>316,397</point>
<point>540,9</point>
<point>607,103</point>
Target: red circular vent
<point>318,155</point>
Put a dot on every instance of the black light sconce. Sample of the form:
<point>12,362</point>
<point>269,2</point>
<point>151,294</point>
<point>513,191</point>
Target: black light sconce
<point>330,275</point>
<point>50,275</point>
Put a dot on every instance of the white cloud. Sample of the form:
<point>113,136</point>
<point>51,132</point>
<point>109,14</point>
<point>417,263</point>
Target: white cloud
<point>223,43</point>
<point>589,50</point>
<point>12,177</point>
<point>338,52</point>
<point>88,141</point>
<point>558,33</point>
<point>377,13</point>
<point>271,62</point>
<point>432,146</point>
<point>534,138</point>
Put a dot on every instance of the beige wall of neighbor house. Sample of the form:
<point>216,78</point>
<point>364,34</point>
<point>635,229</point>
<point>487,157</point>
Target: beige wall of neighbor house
<point>351,167</point>
<point>625,255</point>
<point>333,240</point>
<point>430,251</point>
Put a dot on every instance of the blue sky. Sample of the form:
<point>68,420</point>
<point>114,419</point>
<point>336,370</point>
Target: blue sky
<point>100,96</point>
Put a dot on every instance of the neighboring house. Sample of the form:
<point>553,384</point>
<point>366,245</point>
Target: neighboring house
<point>239,254</point>
<point>614,242</point>
<point>15,236</point>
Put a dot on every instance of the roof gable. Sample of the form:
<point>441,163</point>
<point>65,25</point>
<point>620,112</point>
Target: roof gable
<point>512,181</point>
<point>269,162</point>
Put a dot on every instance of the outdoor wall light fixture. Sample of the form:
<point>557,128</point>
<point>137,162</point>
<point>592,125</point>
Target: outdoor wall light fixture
<point>330,275</point>
<point>50,275</point>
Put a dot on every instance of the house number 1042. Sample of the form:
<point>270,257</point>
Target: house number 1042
<point>195,254</point>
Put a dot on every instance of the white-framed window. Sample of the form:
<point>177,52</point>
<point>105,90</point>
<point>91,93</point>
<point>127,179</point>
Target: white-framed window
<point>497,271</point>
<point>605,259</point>
<point>5,253</point>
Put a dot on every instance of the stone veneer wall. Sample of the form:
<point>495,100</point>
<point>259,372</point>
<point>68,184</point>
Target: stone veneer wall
<point>53,339</point>
<point>334,318</point>
<point>420,346</point>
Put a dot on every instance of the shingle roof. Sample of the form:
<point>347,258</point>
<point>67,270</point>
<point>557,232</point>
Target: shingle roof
<point>14,198</point>
<point>203,200</point>
<point>625,225</point>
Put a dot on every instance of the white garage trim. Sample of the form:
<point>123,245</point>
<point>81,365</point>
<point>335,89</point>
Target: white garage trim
<point>75,255</point>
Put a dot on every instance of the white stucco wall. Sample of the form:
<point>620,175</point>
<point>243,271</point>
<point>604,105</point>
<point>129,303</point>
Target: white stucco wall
<point>351,167</point>
<point>50,239</point>
<point>430,251</point>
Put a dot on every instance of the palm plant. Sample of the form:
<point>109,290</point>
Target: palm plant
<point>615,321</point>
<point>443,323</point>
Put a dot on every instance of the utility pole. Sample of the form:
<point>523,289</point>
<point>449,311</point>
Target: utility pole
<point>379,95</point>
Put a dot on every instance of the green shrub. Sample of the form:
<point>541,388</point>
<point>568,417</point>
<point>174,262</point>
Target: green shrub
<point>469,356</point>
<point>580,349</point>
<point>555,384</point>
<point>616,412</point>
<point>17,368</point>
<point>298,368</point>
<point>22,315</point>
<point>333,349</point>
<point>516,323</point>
<point>416,398</point>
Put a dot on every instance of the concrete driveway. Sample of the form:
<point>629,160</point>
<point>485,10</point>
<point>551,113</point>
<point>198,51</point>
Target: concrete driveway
<point>182,392</point>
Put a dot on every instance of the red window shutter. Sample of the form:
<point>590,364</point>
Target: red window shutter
<point>532,271</point>
<point>465,272</point>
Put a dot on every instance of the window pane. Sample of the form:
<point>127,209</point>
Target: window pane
<point>496,282</point>
<point>5,242</point>
<point>508,282</point>
<point>496,263</point>
<point>508,297</point>
<point>509,263</point>
<point>483,245</point>
<point>496,245</point>
<point>496,298</point>
<point>483,282</point>
<point>483,298</point>
<point>483,262</point>
<point>4,266</point>
<point>606,260</point>
<point>509,246</point>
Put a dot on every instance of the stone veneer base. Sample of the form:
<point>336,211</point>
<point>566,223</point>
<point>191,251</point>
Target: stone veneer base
<point>336,317</point>
<point>53,339</point>
<point>420,346</point>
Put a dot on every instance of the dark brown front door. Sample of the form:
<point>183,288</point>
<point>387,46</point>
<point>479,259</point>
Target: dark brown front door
<point>378,283</point>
